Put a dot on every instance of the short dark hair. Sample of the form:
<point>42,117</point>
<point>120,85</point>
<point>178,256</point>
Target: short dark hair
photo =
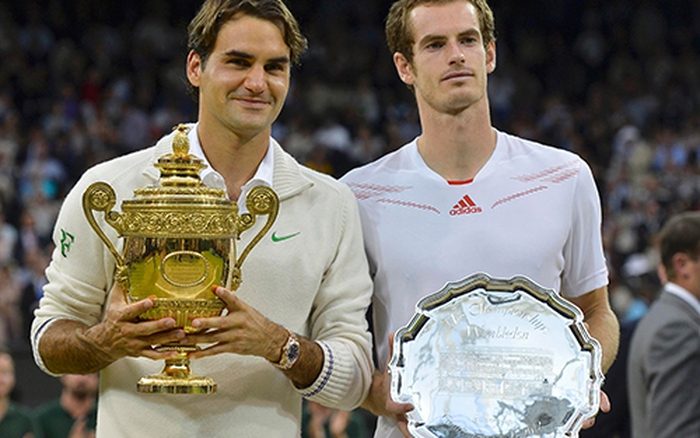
<point>399,33</point>
<point>680,234</point>
<point>205,26</point>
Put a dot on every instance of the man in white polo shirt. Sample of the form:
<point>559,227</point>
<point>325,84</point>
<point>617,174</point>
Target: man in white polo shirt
<point>464,197</point>
<point>663,370</point>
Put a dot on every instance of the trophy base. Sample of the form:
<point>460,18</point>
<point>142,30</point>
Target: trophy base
<point>164,384</point>
<point>176,377</point>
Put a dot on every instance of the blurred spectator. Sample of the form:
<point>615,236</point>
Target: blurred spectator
<point>8,239</point>
<point>134,128</point>
<point>335,140</point>
<point>333,135</point>
<point>366,101</point>
<point>11,316</point>
<point>319,421</point>
<point>15,420</point>
<point>367,145</point>
<point>318,160</point>
<point>41,174</point>
<point>31,241</point>
<point>35,263</point>
<point>35,37</point>
<point>74,413</point>
<point>299,141</point>
<point>8,152</point>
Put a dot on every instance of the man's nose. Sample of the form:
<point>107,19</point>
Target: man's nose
<point>456,55</point>
<point>255,79</point>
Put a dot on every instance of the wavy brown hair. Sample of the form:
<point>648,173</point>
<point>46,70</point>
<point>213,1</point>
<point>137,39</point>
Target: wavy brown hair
<point>205,26</point>
<point>399,33</point>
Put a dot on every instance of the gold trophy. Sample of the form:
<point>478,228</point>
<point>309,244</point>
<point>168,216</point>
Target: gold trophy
<point>179,241</point>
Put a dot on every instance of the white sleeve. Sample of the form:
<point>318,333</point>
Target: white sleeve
<point>585,268</point>
<point>338,322</point>
<point>80,272</point>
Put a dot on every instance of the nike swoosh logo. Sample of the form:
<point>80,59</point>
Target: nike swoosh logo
<point>275,238</point>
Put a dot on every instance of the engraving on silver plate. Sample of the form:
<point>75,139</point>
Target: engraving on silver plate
<point>495,358</point>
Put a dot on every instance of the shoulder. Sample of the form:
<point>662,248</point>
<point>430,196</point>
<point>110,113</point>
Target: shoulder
<point>125,164</point>
<point>126,169</point>
<point>382,167</point>
<point>322,181</point>
<point>19,409</point>
<point>122,174</point>
<point>537,162</point>
<point>518,147</point>
<point>382,174</point>
<point>670,323</point>
<point>19,414</point>
<point>295,180</point>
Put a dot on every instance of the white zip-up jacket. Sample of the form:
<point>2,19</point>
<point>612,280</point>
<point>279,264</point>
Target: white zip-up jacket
<point>309,274</point>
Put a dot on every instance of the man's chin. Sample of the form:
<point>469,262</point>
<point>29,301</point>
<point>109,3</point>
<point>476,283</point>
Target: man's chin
<point>460,102</point>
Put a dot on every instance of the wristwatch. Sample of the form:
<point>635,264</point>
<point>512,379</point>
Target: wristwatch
<point>290,353</point>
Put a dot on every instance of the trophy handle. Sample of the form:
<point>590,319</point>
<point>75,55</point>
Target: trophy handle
<point>259,201</point>
<point>100,196</point>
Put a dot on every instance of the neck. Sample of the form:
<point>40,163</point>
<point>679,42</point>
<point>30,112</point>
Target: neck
<point>235,157</point>
<point>457,146</point>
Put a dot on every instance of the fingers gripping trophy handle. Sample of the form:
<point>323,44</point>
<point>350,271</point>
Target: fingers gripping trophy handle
<point>260,200</point>
<point>100,196</point>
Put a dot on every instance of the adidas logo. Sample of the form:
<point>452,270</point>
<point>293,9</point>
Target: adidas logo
<point>465,206</point>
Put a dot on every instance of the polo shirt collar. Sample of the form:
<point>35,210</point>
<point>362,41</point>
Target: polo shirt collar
<point>211,178</point>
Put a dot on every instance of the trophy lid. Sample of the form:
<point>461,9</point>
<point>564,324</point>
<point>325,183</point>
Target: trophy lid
<point>179,204</point>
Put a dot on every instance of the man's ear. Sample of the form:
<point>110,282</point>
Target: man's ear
<point>403,67</point>
<point>194,68</point>
<point>681,265</point>
<point>491,57</point>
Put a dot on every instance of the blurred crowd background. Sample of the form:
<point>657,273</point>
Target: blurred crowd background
<point>616,81</point>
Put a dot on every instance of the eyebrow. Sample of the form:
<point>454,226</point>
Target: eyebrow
<point>248,56</point>
<point>438,37</point>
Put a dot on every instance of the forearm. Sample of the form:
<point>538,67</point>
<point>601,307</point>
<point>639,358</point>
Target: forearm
<point>67,347</point>
<point>605,328</point>
<point>601,322</point>
<point>376,398</point>
<point>309,365</point>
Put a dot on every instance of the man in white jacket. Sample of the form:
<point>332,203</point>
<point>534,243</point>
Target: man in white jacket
<point>306,281</point>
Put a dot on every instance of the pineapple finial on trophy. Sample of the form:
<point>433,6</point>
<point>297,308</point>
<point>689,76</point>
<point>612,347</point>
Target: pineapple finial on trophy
<point>181,144</point>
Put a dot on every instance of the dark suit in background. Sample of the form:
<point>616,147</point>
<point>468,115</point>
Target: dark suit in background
<point>664,370</point>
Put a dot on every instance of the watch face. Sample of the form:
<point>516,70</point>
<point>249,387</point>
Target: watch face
<point>293,352</point>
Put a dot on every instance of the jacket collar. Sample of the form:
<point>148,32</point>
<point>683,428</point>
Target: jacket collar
<point>685,295</point>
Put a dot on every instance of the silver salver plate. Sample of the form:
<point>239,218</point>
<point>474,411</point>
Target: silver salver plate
<point>496,358</point>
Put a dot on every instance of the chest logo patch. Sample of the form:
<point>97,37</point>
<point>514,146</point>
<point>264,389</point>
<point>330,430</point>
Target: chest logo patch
<point>276,238</point>
<point>465,206</point>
